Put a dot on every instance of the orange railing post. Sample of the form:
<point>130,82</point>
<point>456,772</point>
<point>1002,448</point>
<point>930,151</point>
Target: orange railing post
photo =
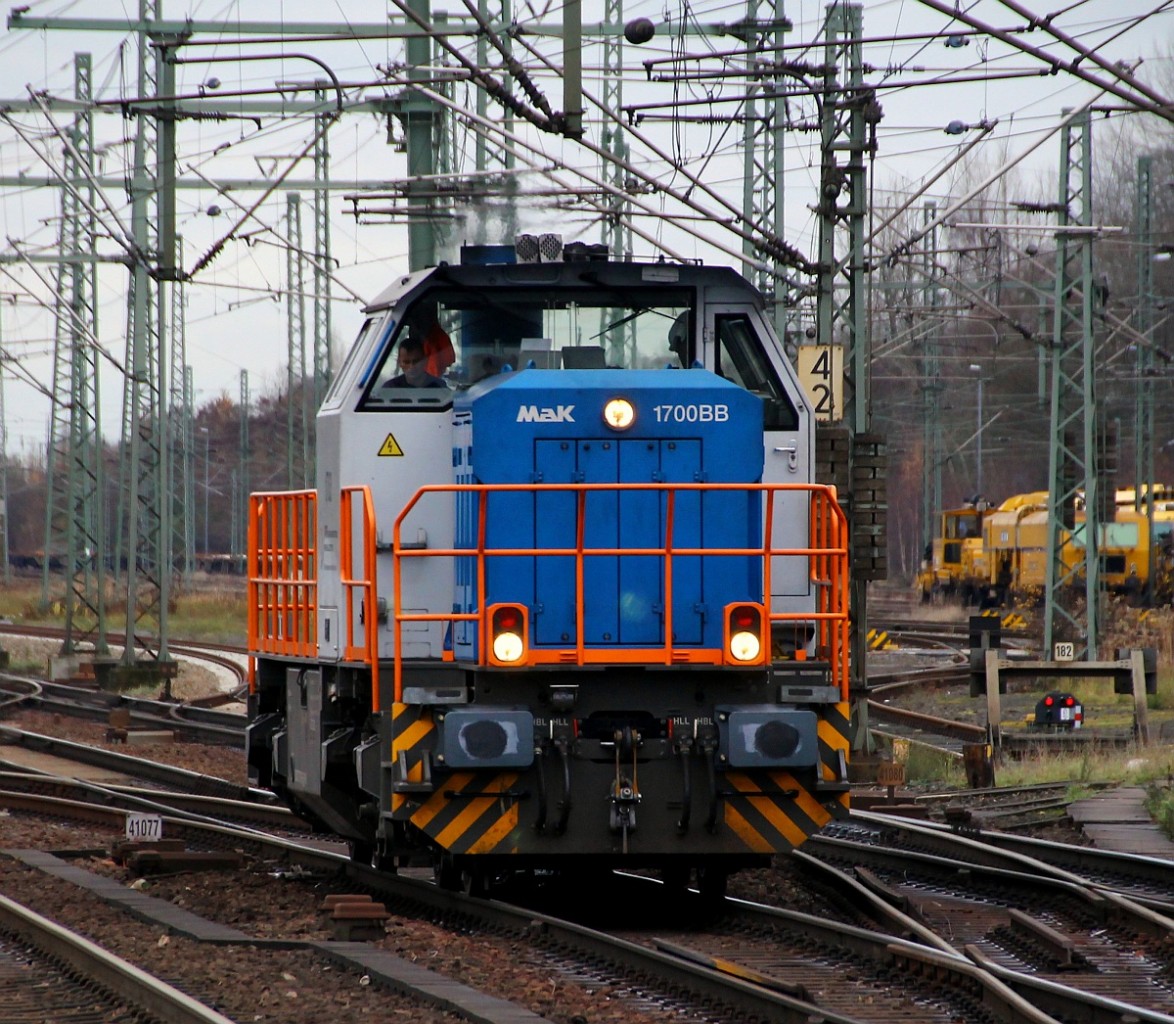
<point>826,553</point>
<point>283,573</point>
<point>365,585</point>
<point>283,566</point>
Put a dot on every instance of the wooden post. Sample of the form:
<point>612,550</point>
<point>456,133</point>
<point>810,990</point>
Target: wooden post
<point>1141,719</point>
<point>994,711</point>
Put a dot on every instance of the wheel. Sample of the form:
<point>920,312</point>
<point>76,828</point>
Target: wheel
<point>475,882</point>
<point>446,872</point>
<point>361,851</point>
<point>676,877</point>
<point>460,877</point>
<point>382,859</point>
<point>711,882</point>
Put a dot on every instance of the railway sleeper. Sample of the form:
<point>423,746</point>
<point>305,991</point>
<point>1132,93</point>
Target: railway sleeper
<point>890,894</point>
<point>1060,947</point>
<point>355,918</point>
<point>171,862</point>
<point>123,850</point>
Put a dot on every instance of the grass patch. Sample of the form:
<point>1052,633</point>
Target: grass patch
<point>1160,804</point>
<point>212,610</point>
<point>218,614</point>
<point>1133,765</point>
<point>925,765</point>
<point>1163,700</point>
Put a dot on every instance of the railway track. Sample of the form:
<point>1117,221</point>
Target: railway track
<point>1046,931</point>
<point>51,973</point>
<point>201,722</point>
<point>1040,963</point>
<point>165,776</point>
<point>573,949</point>
<point>195,722</point>
<point>1147,881</point>
<point>227,657</point>
<point>766,963</point>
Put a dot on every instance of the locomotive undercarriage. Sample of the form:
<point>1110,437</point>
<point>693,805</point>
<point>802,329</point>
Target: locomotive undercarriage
<point>556,764</point>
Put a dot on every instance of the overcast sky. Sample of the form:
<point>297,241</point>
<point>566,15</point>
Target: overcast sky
<point>236,312</point>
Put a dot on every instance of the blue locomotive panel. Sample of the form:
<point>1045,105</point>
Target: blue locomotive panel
<point>690,426</point>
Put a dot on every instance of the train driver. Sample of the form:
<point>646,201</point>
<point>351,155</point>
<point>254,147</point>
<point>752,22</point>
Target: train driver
<point>424,324</point>
<point>412,363</point>
<point>681,338</point>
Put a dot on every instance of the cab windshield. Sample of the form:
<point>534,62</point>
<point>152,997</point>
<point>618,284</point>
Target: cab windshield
<point>962,526</point>
<point>452,339</point>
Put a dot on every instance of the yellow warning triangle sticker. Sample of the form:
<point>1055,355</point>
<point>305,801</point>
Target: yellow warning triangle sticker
<point>391,446</point>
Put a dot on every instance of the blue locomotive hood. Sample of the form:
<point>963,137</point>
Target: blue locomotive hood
<point>509,412</point>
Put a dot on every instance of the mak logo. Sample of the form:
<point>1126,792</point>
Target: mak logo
<point>546,414</point>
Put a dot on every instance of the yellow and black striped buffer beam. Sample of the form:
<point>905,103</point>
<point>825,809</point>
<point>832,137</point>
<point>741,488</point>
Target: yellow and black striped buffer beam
<point>473,812</point>
<point>770,812</point>
<point>413,735</point>
<point>835,745</point>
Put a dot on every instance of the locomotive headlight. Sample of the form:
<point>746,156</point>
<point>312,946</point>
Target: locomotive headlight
<point>507,647</point>
<point>745,646</point>
<point>744,633</point>
<point>619,414</point>
<point>507,632</point>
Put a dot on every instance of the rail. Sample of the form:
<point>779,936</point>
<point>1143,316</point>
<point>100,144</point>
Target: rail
<point>827,570</point>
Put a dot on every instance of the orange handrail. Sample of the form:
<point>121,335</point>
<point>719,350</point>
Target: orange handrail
<point>827,555</point>
<point>283,574</point>
<point>368,619</point>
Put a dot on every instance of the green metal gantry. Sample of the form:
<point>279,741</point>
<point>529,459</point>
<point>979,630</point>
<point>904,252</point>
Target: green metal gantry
<point>931,384</point>
<point>74,514</point>
<point>847,110</point>
<point>146,470</point>
<point>1072,459</point>
<point>763,128</point>
<point>297,391</point>
<point>1143,423</point>
<point>321,263</point>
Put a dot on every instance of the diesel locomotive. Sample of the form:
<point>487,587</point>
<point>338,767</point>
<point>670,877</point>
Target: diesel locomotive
<point>565,595</point>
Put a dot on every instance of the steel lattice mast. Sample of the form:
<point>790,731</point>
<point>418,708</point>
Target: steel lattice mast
<point>189,470</point>
<point>75,521</point>
<point>423,130</point>
<point>297,388</point>
<point>488,158</point>
<point>763,130</point>
<point>617,229</point>
<point>1072,460</point>
<point>1143,470</point>
<point>145,434</point>
<point>179,428</point>
<point>238,522</point>
<point>323,367</point>
<point>931,386</point>
<point>847,110</point>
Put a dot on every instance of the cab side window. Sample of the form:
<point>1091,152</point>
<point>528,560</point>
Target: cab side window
<point>740,358</point>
